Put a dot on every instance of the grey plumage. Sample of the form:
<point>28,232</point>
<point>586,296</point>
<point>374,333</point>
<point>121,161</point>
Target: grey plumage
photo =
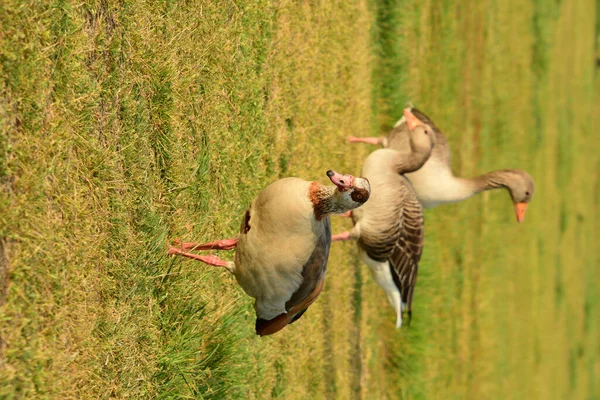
<point>398,139</point>
<point>390,225</point>
<point>435,182</point>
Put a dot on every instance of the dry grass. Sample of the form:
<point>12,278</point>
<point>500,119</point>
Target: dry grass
<point>124,125</point>
<point>128,124</point>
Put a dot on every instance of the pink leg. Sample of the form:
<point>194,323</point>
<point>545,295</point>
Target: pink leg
<point>370,140</point>
<point>210,260</point>
<point>226,244</point>
<point>339,237</point>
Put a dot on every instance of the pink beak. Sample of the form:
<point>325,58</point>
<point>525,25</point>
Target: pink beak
<point>343,182</point>
<point>411,120</point>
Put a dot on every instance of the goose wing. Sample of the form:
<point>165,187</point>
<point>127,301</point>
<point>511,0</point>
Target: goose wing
<point>406,253</point>
<point>313,280</point>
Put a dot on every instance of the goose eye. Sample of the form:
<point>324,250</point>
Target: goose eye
<point>342,181</point>
<point>527,193</point>
<point>359,196</point>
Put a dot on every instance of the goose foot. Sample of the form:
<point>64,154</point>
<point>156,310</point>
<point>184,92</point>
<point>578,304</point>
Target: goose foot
<point>339,237</point>
<point>210,260</point>
<point>369,140</point>
<point>225,244</point>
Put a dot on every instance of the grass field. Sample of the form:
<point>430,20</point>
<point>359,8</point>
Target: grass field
<point>125,125</point>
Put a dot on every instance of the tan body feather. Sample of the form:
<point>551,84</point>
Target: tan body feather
<point>283,234</point>
<point>283,245</point>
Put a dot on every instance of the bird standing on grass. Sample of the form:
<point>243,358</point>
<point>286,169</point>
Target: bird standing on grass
<point>283,245</point>
<point>389,228</point>
<point>435,183</point>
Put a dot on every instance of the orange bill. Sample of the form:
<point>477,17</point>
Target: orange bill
<point>520,211</point>
<point>411,120</point>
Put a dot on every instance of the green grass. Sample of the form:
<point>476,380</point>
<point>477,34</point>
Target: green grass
<point>506,310</point>
<point>125,125</point>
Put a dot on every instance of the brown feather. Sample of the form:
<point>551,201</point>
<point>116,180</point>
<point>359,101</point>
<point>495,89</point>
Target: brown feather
<point>314,194</point>
<point>404,258</point>
<point>246,223</point>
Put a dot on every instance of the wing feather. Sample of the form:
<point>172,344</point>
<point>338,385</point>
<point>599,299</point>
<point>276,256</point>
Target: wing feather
<point>313,281</point>
<point>405,256</point>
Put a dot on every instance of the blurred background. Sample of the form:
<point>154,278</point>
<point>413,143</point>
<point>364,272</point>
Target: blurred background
<point>125,124</point>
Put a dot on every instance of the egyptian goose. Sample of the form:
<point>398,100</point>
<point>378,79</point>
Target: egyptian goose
<point>389,228</point>
<point>435,183</point>
<point>283,245</point>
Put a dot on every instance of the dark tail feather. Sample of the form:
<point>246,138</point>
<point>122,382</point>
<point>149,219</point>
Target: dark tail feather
<point>268,327</point>
<point>264,327</point>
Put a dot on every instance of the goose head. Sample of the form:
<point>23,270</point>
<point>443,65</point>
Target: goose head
<point>421,140</point>
<point>422,137</point>
<point>351,191</point>
<point>520,186</point>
